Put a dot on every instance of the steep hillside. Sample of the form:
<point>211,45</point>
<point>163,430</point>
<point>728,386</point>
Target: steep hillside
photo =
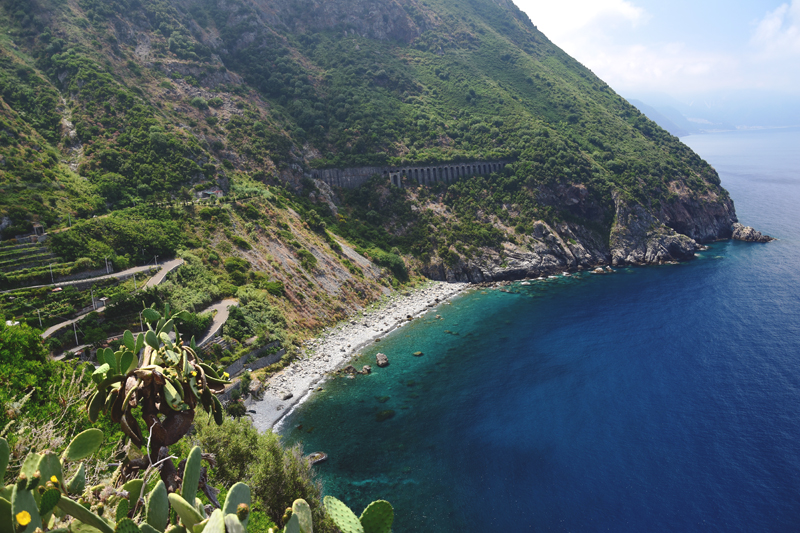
<point>111,104</point>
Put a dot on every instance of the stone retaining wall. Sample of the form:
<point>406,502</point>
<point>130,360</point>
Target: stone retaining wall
<point>237,366</point>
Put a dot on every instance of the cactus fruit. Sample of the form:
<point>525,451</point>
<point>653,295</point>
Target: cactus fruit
<point>157,509</point>
<point>76,510</point>
<point>191,474</point>
<point>302,511</point>
<point>238,493</point>
<point>126,525</point>
<point>83,445</point>
<point>187,512</point>
<point>377,517</point>
<point>122,511</point>
<point>342,516</point>
<point>242,511</point>
<point>49,500</point>
<point>232,524</point>
<point>4,454</point>
<point>78,481</point>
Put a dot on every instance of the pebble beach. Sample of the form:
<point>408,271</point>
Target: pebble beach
<point>334,349</point>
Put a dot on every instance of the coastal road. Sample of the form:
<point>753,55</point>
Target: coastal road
<point>166,268</point>
<point>222,309</point>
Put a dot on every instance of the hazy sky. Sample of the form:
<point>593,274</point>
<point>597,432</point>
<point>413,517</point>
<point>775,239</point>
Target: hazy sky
<point>679,47</point>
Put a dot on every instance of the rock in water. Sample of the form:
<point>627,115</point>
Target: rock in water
<point>384,415</point>
<point>382,360</point>
<point>748,234</point>
<point>366,369</point>
<point>418,354</point>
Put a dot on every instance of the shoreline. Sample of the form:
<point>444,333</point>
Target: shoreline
<point>336,347</point>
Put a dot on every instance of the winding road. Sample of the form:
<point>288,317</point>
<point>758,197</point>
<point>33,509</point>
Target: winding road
<point>166,268</point>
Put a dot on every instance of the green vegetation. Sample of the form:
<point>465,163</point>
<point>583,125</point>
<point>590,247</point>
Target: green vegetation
<point>146,492</point>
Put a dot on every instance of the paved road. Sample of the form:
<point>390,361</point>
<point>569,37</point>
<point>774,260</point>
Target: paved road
<point>222,309</point>
<point>166,268</point>
<point>222,315</point>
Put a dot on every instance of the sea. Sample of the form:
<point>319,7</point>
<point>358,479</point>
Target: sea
<point>661,398</point>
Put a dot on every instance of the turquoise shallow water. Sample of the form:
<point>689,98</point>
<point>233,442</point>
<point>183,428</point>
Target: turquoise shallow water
<point>655,398</point>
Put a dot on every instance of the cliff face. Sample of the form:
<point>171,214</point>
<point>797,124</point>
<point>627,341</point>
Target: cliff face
<point>637,237</point>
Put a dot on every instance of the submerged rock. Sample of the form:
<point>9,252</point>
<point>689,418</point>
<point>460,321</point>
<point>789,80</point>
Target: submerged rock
<point>418,354</point>
<point>384,415</point>
<point>748,234</point>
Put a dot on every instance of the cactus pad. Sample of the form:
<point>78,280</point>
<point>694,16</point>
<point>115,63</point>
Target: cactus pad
<point>126,525</point>
<point>377,517</point>
<point>134,489</point>
<point>78,481</point>
<point>84,445</point>
<point>232,524</point>
<point>24,511</point>
<point>216,522</point>
<point>157,509</point>
<point>147,528</point>
<point>239,493</point>
<point>187,512</point>
<point>49,500</point>
<point>76,510</point>
<point>293,525</point>
<point>176,529</point>
<point>342,516</point>
<point>4,453</point>
<point>122,511</point>
<point>191,474</point>
<point>302,511</point>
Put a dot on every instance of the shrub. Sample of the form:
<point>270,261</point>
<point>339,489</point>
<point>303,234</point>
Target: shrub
<point>275,475</point>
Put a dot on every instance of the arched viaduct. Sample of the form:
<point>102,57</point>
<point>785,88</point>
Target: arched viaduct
<point>403,175</point>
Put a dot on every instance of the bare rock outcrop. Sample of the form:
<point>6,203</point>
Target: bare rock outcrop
<point>748,234</point>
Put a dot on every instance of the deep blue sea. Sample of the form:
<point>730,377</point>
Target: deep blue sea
<point>661,398</point>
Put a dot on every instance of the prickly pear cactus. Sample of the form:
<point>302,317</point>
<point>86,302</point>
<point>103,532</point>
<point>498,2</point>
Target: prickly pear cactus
<point>4,454</point>
<point>24,511</point>
<point>49,501</point>
<point>302,511</point>
<point>188,513</point>
<point>377,517</point>
<point>78,481</point>
<point>191,474</point>
<point>157,510</point>
<point>122,510</point>
<point>342,516</point>
<point>126,525</point>
<point>239,493</point>
<point>83,445</point>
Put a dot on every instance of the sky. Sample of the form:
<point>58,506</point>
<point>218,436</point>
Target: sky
<point>683,48</point>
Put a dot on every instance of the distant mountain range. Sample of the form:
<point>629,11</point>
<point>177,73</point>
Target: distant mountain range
<point>742,110</point>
